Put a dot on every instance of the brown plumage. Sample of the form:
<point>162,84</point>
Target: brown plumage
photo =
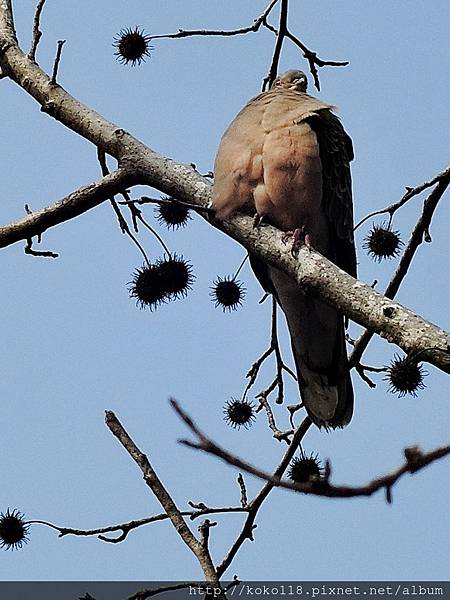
<point>286,156</point>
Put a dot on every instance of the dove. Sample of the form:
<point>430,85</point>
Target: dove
<point>286,159</point>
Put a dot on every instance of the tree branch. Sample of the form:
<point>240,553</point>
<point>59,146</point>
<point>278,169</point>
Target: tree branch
<point>312,272</point>
<point>155,484</point>
<point>417,237</point>
<point>125,528</point>
<point>410,193</point>
<point>37,33</point>
<point>415,460</point>
<point>182,33</point>
<point>67,208</point>
<point>281,33</point>
<point>314,61</point>
<point>254,506</point>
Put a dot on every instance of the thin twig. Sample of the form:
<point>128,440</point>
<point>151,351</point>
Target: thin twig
<point>182,33</point>
<point>203,529</point>
<point>277,433</point>
<point>244,498</point>
<point>249,525</point>
<point>280,365</point>
<point>281,33</point>
<point>313,60</point>
<point>125,528</point>
<point>148,593</point>
<point>30,250</point>
<point>415,460</point>
<point>417,236</point>
<point>410,193</point>
<point>147,200</point>
<point>244,260</point>
<point>57,60</point>
<point>361,370</point>
<point>36,35</point>
<point>139,216</point>
<point>101,156</point>
<point>293,408</point>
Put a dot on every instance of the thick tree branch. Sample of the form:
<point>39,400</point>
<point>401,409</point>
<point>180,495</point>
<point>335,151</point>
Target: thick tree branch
<point>314,273</point>
<point>67,208</point>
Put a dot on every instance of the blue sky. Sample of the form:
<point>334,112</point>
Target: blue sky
<point>74,344</point>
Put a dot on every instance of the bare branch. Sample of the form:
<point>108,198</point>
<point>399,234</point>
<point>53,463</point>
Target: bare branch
<point>101,157</point>
<point>415,461</point>
<point>30,250</point>
<point>313,60</point>
<point>281,33</point>
<point>203,529</point>
<point>361,370</point>
<point>65,209</point>
<point>162,201</point>
<point>181,33</point>
<point>311,271</point>
<point>148,593</point>
<point>163,496</point>
<point>244,499</point>
<point>280,365</point>
<point>8,36</point>
<point>57,60</point>
<point>410,193</point>
<point>277,433</point>
<point>37,33</point>
<point>254,506</point>
<point>125,528</point>
<point>417,237</point>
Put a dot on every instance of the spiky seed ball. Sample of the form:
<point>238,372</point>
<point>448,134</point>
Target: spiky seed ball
<point>148,288</point>
<point>227,293</point>
<point>405,376</point>
<point>133,45</point>
<point>175,276</point>
<point>239,413</point>
<point>305,468</point>
<point>13,530</point>
<point>382,242</point>
<point>172,214</point>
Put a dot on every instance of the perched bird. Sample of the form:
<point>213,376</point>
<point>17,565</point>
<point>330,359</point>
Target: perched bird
<point>286,158</point>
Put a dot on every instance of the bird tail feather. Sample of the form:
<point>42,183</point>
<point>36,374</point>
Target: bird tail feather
<point>318,345</point>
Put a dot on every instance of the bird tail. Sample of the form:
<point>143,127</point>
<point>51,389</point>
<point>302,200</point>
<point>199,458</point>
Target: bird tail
<point>318,345</point>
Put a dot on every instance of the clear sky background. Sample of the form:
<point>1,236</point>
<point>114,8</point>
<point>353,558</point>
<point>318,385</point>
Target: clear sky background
<point>74,344</point>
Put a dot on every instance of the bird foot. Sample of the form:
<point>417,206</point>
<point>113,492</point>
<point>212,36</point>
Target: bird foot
<point>257,220</point>
<point>299,237</point>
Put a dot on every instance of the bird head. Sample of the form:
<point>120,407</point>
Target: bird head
<point>292,80</point>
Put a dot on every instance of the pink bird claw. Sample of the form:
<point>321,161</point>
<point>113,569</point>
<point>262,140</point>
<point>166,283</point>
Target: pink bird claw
<point>299,238</point>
